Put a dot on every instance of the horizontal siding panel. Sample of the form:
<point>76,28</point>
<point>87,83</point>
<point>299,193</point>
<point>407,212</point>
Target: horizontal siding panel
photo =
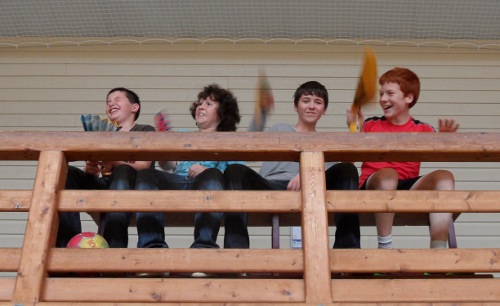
<point>479,243</point>
<point>283,97</point>
<point>335,122</point>
<point>465,165</point>
<point>18,172</point>
<point>480,230</point>
<point>11,241</point>
<point>13,227</point>
<point>334,82</point>
<point>16,184</point>
<point>179,111</point>
<point>13,216</point>
<point>479,217</point>
<point>149,107</point>
<point>479,175</point>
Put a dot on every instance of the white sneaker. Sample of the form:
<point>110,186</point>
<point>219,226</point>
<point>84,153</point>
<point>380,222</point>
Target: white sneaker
<point>202,274</point>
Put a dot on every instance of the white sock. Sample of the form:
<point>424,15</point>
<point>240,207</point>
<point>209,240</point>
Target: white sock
<point>385,242</point>
<point>438,244</point>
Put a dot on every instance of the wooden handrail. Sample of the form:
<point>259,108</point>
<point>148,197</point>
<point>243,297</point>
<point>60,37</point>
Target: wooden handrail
<point>313,275</point>
<point>252,146</point>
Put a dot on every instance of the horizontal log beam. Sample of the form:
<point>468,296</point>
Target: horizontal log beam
<point>278,201</point>
<point>261,261</point>
<point>412,206</point>
<point>271,290</point>
<point>174,290</point>
<point>365,201</point>
<point>176,260</point>
<point>415,260</point>
<point>480,147</point>
<point>431,290</point>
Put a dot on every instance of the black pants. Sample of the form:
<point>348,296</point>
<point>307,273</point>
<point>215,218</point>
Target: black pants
<point>116,223</point>
<point>341,176</point>
<point>150,226</point>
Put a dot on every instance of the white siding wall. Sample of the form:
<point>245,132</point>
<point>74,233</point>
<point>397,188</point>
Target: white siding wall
<point>48,88</point>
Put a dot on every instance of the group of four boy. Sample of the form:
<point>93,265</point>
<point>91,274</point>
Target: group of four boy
<point>216,110</point>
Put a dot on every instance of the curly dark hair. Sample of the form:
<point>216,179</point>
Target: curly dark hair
<point>228,110</point>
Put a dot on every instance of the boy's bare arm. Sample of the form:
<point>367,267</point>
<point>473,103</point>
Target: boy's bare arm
<point>351,117</point>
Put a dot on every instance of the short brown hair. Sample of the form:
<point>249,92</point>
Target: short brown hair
<point>312,88</point>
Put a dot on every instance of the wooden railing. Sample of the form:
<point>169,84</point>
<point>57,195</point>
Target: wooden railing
<point>316,274</point>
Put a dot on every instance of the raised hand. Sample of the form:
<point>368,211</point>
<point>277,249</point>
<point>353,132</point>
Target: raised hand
<point>448,126</point>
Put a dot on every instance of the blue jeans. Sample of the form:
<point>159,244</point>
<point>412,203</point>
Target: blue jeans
<point>116,223</point>
<point>341,176</point>
<point>150,226</point>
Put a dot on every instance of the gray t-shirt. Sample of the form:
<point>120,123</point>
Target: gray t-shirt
<point>282,171</point>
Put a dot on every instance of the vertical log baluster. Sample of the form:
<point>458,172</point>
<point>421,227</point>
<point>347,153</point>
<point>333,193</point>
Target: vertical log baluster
<point>317,276</point>
<point>41,228</point>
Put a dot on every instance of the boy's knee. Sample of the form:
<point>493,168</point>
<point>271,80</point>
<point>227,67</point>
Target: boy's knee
<point>383,179</point>
<point>444,180</point>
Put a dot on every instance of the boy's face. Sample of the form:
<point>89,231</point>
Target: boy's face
<point>118,107</point>
<point>310,109</point>
<point>394,103</point>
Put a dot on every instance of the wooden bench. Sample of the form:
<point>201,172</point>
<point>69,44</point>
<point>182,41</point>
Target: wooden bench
<point>315,263</point>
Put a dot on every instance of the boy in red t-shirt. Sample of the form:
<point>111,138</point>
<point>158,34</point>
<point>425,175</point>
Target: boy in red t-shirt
<point>399,91</point>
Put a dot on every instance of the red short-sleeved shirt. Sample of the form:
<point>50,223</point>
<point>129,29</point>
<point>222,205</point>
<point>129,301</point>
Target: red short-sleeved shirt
<point>405,170</point>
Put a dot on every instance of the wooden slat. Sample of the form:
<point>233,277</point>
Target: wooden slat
<point>365,201</point>
<point>192,200</point>
<point>9,259</point>
<point>176,260</point>
<point>255,146</point>
<point>170,304</point>
<point>262,204</point>
<point>291,261</point>
<point>416,290</point>
<point>253,201</point>
<point>174,290</point>
<point>183,304</point>
<point>15,200</point>
<point>411,260</point>
<point>6,288</point>
<point>41,228</point>
<point>315,227</point>
<point>413,201</point>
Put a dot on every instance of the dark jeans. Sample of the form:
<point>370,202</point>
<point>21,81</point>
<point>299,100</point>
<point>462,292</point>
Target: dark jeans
<point>116,223</point>
<point>341,176</point>
<point>150,226</point>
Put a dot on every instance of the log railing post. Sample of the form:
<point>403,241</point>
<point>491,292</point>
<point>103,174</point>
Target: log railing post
<point>317,276</point>
<point>41,228</point>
